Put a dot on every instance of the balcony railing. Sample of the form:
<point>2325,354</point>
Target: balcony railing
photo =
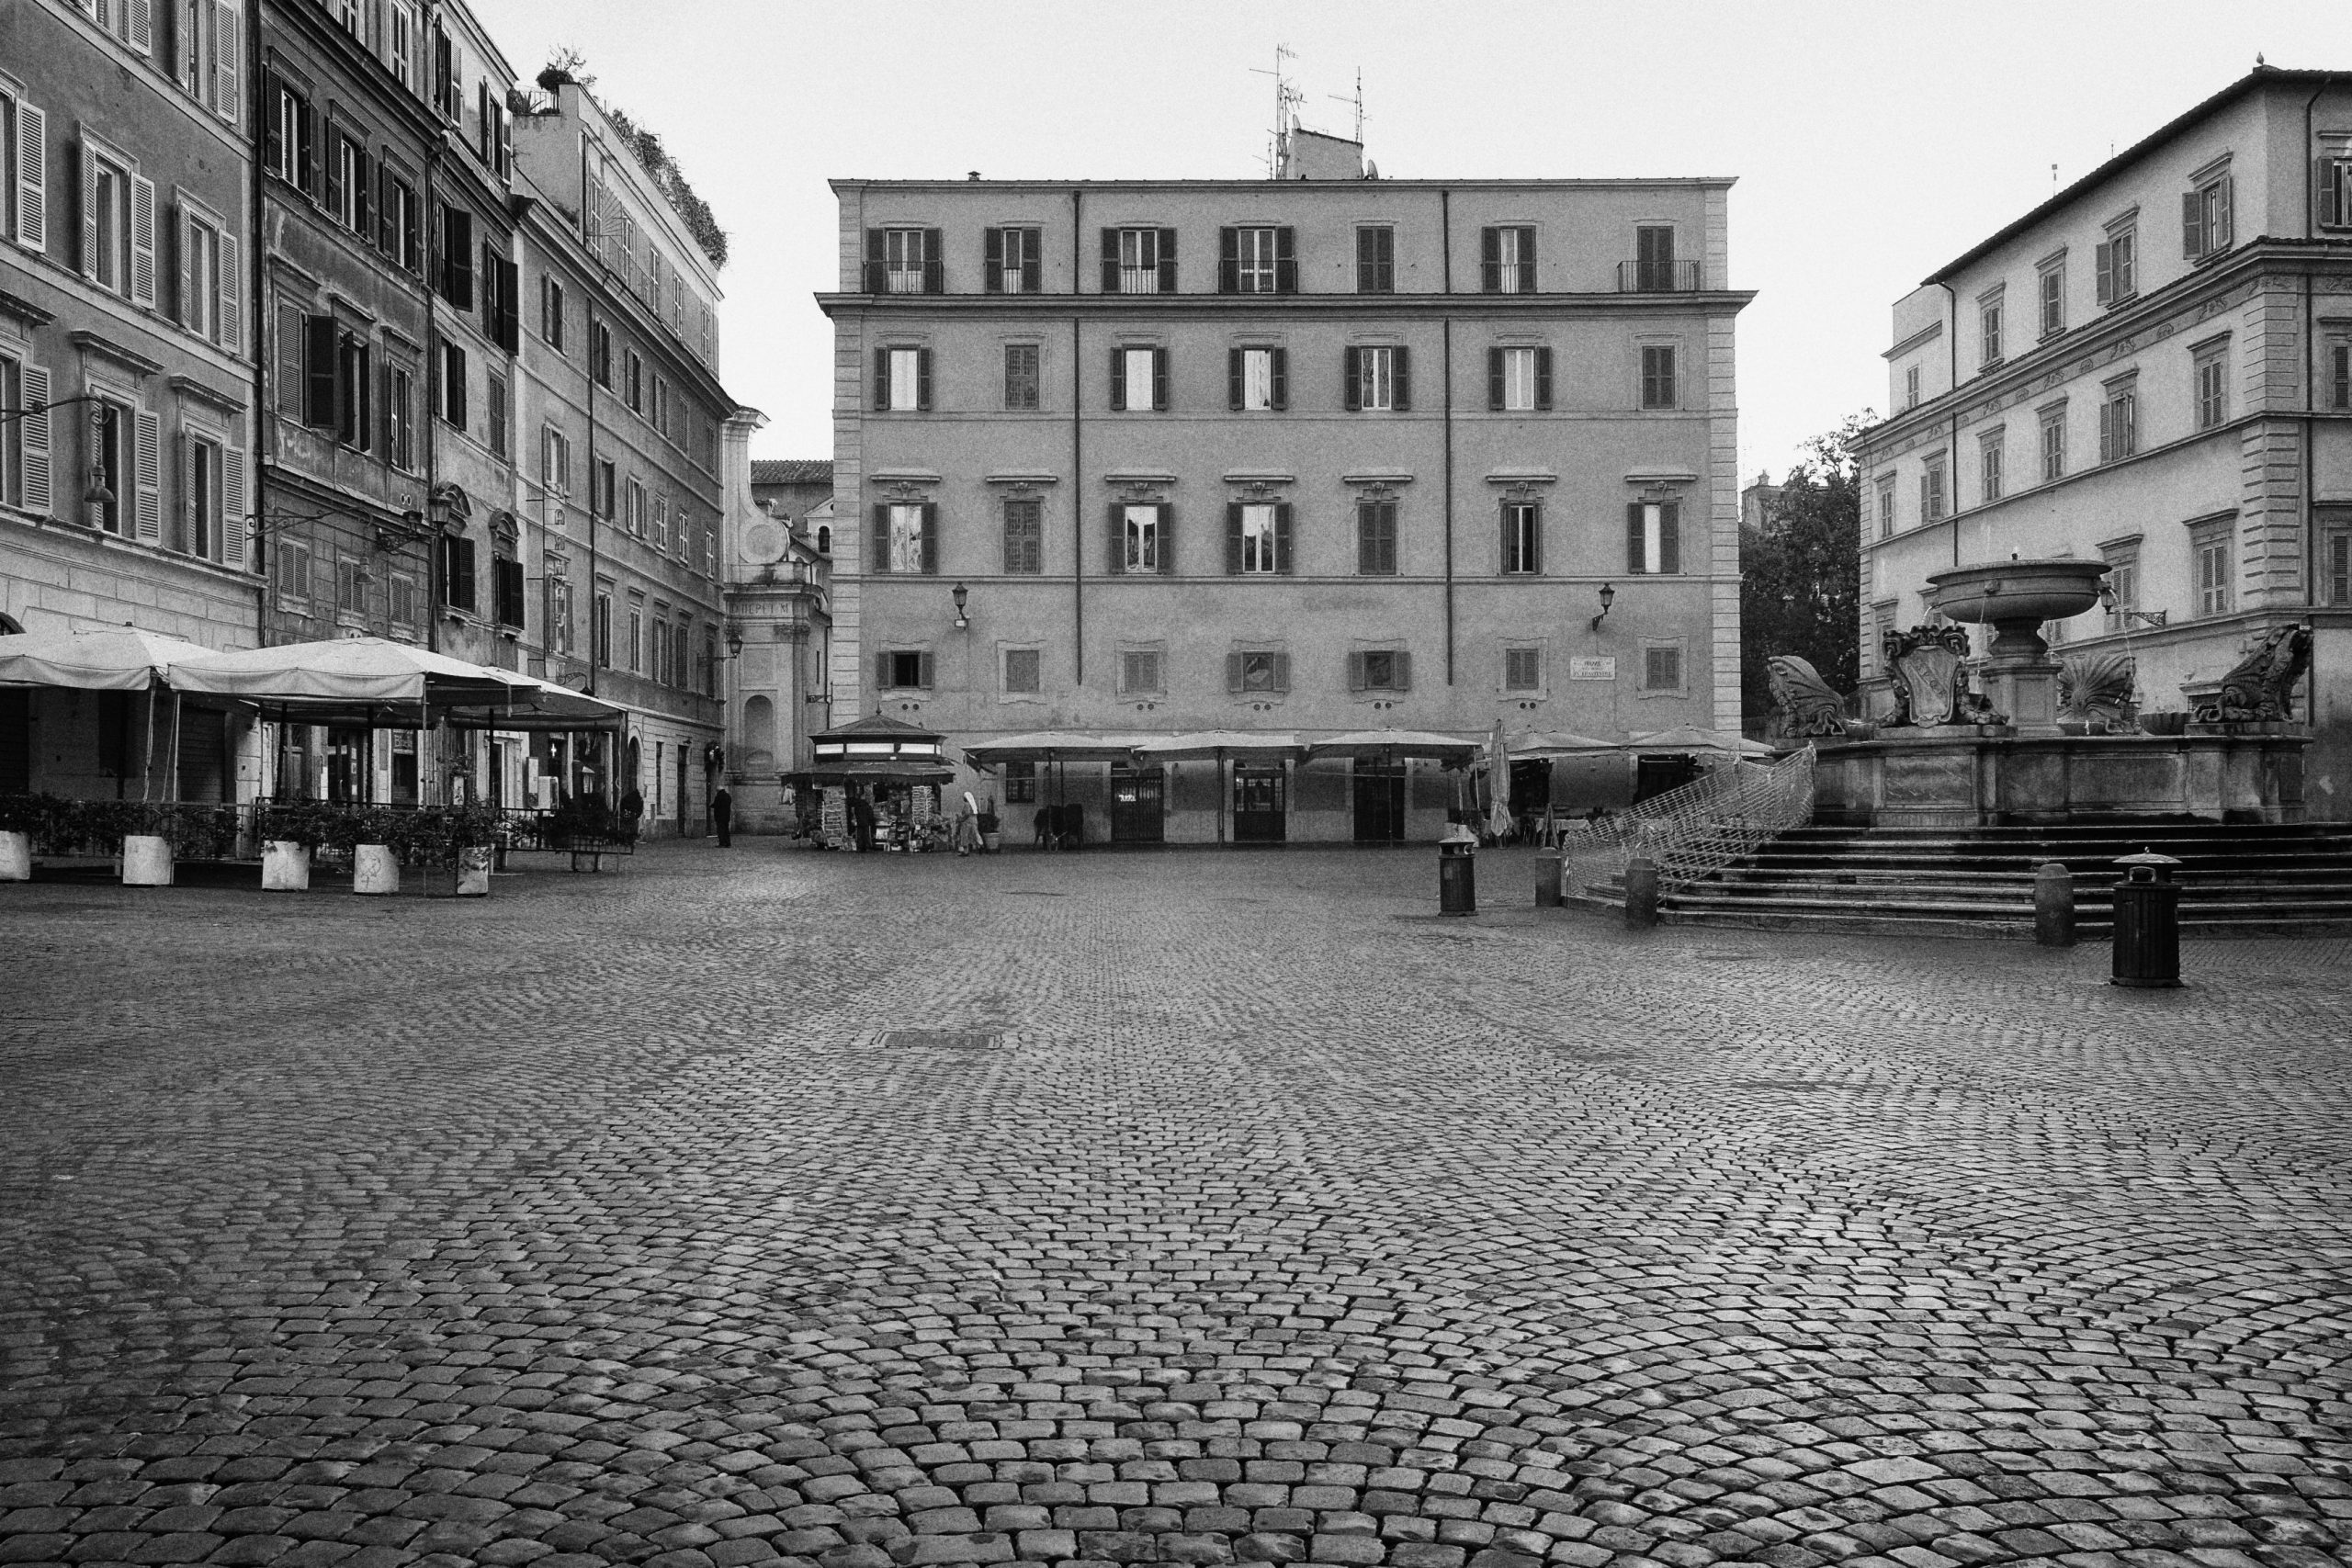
<point>903,280</point>
<point>1658,277</point>
<point>1139,280</point>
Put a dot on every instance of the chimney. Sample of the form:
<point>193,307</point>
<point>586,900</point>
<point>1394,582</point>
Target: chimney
<point>1311,155</point>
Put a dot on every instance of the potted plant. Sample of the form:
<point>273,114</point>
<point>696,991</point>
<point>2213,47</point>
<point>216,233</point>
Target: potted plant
<point>990,839</point>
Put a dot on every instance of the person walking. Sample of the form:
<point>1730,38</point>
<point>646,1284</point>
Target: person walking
<point>861,817</point>
<point>968,826</point>
<point>722,816</point>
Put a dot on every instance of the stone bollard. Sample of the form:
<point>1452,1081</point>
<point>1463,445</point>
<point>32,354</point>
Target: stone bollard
<point>285,866</point>
<point>375,870</point>
<point>1547,880</point>
<point>146,860</point>
<point>2053,906</point>
<point>1641,893</point>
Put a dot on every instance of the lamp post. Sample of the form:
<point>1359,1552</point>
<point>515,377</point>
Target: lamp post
<point>1608,597</point>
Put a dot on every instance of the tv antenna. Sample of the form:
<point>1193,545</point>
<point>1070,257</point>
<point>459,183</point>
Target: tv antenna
<point>1357,100</point>
<point>1286,101</point>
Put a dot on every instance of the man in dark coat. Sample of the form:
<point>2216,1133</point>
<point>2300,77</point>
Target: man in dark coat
<point>722,816</point>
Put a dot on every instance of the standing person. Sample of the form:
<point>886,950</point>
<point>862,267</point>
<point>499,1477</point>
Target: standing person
<point>722,816</point>
<point>968,826</point>
<point>861,817</point>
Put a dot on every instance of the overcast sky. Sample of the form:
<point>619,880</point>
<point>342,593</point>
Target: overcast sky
<point>1872,142</point>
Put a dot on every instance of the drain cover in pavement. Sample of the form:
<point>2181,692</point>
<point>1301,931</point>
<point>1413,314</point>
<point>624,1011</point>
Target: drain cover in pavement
<point>941,1039</point>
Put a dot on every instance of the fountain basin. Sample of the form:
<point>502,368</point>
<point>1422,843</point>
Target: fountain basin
<point>1944,780</point>
<point>2035,590</point>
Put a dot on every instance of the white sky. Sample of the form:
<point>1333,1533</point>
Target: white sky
<point>1872,142</point>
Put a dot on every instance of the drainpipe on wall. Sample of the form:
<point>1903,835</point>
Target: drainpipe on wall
<point>1077,445</point>
<point>1951,446</point>
<point>1446,357</point>
<point>257,315</point>
<point>2311,424</point>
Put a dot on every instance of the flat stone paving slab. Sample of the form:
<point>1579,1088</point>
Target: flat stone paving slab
<point>1225,1217</point>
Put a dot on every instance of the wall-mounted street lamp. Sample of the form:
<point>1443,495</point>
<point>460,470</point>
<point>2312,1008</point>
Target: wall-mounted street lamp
<point>734,640</point>
<point>962,593</point>
<point>95,491</point>
<point>1608,597</point>
<point>2152,617</point>
<point>410,531</point>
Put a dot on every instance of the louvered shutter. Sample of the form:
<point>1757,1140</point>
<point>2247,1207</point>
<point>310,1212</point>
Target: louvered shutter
<point>1116,539</point>
<point>274,150</point>
<point>89,256</point>
<point>1233,551</point>
<point>231,294</point>
<point>992,261</point>
<point>1167,260</point>
<point>1495,379</point>
<point>1031,264</point>
<point>1528,275</point>
<point>881,380</point>
<point>1669,536</point>
<point>1544,380</point>
<point>1281,537</point>
<point>2327,184</point>
<point>876,262</point>
<point>1236,362</point>
<point>148,517</point>
<point>2224,232</point>
<point>1110,261</point>
<point>2105,260</point>
<point>234,508</point>
<point>930,539</point>
<point>363,199</point>
<point>1166,514</point>
<point>1351,377</point>
<point>1401,379</point>
<point>505,171</point>
<point>317,372</point>
<point>2105,448</point>
<point>1160,397</point>
<point>881,561</point>
<point>228,42</point>
<point>1285,260</point>
<point>1281,371</point>
<point>33,438</point>
<point>183,301</point>
<point>1635,555</point>
<point>334,174</point>
<point>1118,377</point>
<point>141,27</point>
<point>387,231</point>
<point>922,379</point>
<point>510,311</point>
<point>306,152</point>
<point>1490,264</point>
<point>884,670</point>
<point>1233,673</point>
<point>32,176</point>
<point>142,240</point>
<point>1401,669</point>
<point>1280,671</point>
<point>934,262</point>
<point>2192,224</point>
<point>1229,260</point>
<point>1355,672</point>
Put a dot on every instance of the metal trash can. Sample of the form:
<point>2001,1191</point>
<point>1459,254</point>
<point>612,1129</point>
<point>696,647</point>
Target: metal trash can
<point>1547,880</point>
<point>1457,871</point>
<point>2147,922</point>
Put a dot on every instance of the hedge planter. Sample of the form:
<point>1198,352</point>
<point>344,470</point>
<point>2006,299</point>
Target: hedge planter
<point>285,866</point>
<point>146,860</point>
<point>375,870</point>
<point>15,857</point>
<point>473,872</point>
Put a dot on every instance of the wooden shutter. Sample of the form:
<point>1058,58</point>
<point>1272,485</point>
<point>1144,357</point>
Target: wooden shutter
<point>33,438</point>
<point>1280,671</point>
<point>922,379</point>
<point>1400,665</point>
<point>1167,260</point>
<point>1401,379</point>
<point>885,668</point>
<point>1118,538</point>
<point>233,506</point>
<point>334,174</point>
<point>148,517</point>
<point>142,240</point>
<point>992,261</point>
<point>2105,445</point>
<point>876,254</point>
<point>930,539</point>
<point>1355,670</point>
<point>1233,673</point>
<point>1161,401</point>
<point>1118,378</point>
<point>1527,273</point>
<point>1285,260</point>
<point>2327,186</point>
<point>1544,380</point>
<point>273,129</point>
<point>1236,362</point>
<point>1535,561</point>
<point>2105,258</point>
<point>881,380</point>
<point>1110,261</point>
<point>1490,265</point>
<point>32,176</point>
<point>1635,554</point>
<point>363,200</point>
<point>2224,231</point>
<point>306,152</point>
<point>317,372</point>
<point>926,672</point>
<point>1351,378</point>
<point>2192,224</point>
<point>386,212</point>
<point>184,299</point>
<point>228,42</point>
<point>934,262</point>
<point>1494,377</point>
<point>1166,514</point>
<point>1229,262</point>
<point>1281,537</point>
<point>89,255</point>
<point>1233,552</point>
<point>141,27</point>
<point>1032,265</point>
<point>881,552</point>
<point>1669,536</point>
<point>1280,359</point>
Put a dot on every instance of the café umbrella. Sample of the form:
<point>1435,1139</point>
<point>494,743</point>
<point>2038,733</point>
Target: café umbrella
<point>113,659</point>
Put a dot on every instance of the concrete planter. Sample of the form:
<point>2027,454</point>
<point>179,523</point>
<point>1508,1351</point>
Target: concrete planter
<point>992,842</point>
<point>146,860</point>
<point>473,872</point>
<point>285,866</point>
<point>15,857</point>
<point>375,870</point>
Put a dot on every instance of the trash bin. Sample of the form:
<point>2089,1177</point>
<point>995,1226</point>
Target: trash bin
<point>1457,871</point>
<point>1547,880</point>
<point>2147,921</point>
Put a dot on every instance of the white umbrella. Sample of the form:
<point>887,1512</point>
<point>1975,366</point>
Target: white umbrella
<point>1551,745</point>
<point>1216,744</point>
<point>119,659</point>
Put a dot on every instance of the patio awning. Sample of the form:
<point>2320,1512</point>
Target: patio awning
<point>1389,744</point>
<point>387,684</point>
<point>1217,744</point>
<point>119,659</point>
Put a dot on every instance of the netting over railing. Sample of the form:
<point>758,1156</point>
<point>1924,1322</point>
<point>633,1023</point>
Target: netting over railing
<point>1699,829</point>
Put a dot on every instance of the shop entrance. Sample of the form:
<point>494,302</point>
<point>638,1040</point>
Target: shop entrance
<point>1260,803</point>
<point>1137,796</point>
<point>1655,775</point>
<point>1380,802</point>
<point>348,765</point>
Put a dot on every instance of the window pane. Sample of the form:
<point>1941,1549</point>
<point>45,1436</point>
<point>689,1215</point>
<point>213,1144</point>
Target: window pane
<point>1258,539</point>
<point>905,538</point>
<point>1143,538</point>
<point>1139,363</point>
<point>1257,378</point>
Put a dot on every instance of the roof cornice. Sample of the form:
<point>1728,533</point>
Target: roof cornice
<point>1711,302</point>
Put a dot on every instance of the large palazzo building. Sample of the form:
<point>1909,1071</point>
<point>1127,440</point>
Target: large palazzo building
<point>1298,456</point>
<point>2152,369</point>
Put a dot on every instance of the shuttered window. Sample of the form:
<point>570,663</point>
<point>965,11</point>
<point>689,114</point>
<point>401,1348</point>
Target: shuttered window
<point>1507,260</point>
<point>1258,379</point>
<point>1662,668</point>
<point>902,379</point>
<point>1025,544</point>
<point>1022,676</point>
<point>1012,261</point>
<point>1653,537</point>
<point>1376,538</point>
<point>1375,259</point>
<point>1257,538</point>
<point>1139,380</point>
<point>1139,261</point>
<point>2208,222</point>
<point>906,536</point>
<point>1021,376</point>
<point>1522,537</point>
<point>1519,380</point>
<point>2116,263</point>
<point>1260,259</point>
<point>1378,378</point>
<point>2119,421</point>
<point>1661,387</point>
<point>1523,669</point>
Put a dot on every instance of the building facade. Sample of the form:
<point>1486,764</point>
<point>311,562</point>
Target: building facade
<point>127,376</point>
<point>1302,455</point>
<point>779,621</point>
<point>2152,369</point>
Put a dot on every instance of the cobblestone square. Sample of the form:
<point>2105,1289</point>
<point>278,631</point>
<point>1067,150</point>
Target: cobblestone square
<point>868,1211</point>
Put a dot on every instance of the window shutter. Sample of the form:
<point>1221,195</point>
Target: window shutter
<point>1633,551</point>
<point>2105,258</point>
<point>141,27</point>
<point>931,540</point>
<point>33,438</point>
<point>1355,672</point>
<point>922,379</point>
<point>2327,184</point>
<point>875,253</point>
<point>1285,260</point>
<point>233,505</point>
<point>2106,443</point>
<point>1233,552</point>
<point>272,131</point>
<point>1119,376</point>
<point>1110,261</point>
<point>1229,260</point>
<point>881,561</point>
<point>1490,265</point>
<point>1031,264</point>
<point>1160,398</point>
<point>334,174</point>
<point>925,672</point>
<point>142,240</point>
<point>1281,672</point>
<point>1281,537</point>
<point>1402,667</point>
<point>184,299</point>
<point>306,152</point>
<point>2224,232</point>
<point>1117,540</point>
<point>1233,673</point>
<point>1494,377</point>
<point>387,229</point>
<point>363,200</point>
<point>317,372</point>
<point>884,669</point>
<point>1234,361</point>
<point>992,261</point>
<point>1544,380</point>
<point>1282,378</point>
<point>1528,275</point>
<point>1351,378</point>
<point>935,263</point>
<point>32,175</point>
<point>1400,359</point>
<point>228,42</point>
<point>1167,260</point>
<point>1167,539</point>
<point>881,380</point>
<point>149,516</point>
<point>1669,536</point>
<point>2192,224</point>
<point>89,256</point>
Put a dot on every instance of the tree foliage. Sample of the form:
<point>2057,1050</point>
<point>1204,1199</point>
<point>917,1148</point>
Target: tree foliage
<point>566,65</point>
<point>1801,587</point>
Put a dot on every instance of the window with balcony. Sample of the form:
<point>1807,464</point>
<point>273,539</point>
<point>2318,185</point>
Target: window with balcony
<point>1139,261</point>
<point>1257,260</point>
<point>1507,259</point>
<point>1379,378</point>
<point>1654,269</point>
<point>1012,261</point>
<point>904,261</point>
<point>1257,379</point>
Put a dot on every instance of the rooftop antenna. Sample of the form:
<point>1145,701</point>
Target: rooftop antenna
<point>2053,176</point>
<point>1286,101</point>
<point>1357,101</point>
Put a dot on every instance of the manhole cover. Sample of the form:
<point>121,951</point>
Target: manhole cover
<point>942,1039</point>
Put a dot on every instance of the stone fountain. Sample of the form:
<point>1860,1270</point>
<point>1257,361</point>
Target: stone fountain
<point>2014,598</point>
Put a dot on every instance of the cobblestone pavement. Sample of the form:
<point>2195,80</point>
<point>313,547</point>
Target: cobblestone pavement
<point>1268,1218</point>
